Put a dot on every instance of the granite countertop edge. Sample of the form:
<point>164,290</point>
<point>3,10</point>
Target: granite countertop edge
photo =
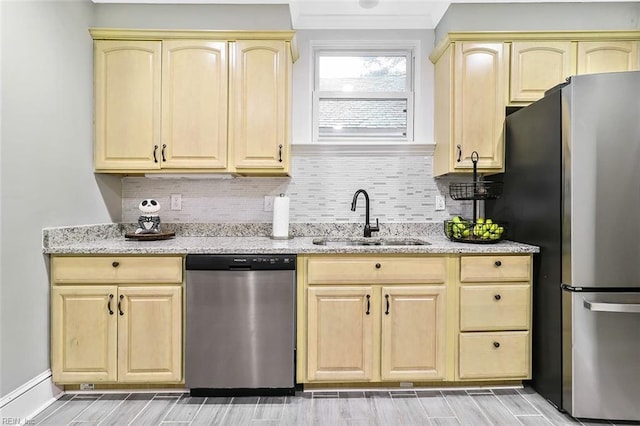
<point>264,245</point>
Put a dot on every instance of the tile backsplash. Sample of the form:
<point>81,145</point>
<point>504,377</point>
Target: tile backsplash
<point>401,189</point>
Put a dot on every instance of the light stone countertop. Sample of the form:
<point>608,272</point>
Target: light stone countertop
<point>116,243</point>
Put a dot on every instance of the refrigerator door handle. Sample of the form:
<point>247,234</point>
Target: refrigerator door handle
<point>612,307</point>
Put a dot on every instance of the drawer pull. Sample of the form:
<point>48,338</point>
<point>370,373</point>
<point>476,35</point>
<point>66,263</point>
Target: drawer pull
<point>386,312</point>
<point>378,266</point>
<point>498,263</point>
<point>115,264</point>
<point>120,305</point>
<point>109,304</point>
<point>496,344</point>
<point>368,304</point>
<point>497,297</point>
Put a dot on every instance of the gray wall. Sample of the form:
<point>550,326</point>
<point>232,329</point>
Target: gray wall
<point>539,16</point>
<point>193,16</point>
<point>46,166</point>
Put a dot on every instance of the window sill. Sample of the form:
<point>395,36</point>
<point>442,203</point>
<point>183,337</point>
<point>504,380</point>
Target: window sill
<point>362,148</point>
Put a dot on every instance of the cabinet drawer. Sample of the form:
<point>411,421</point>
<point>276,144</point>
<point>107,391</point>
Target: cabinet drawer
<point>495,268</point>
<point>116,269</point>
<point>367,270</point>
<point>494,355</point>
<point>495,307</point>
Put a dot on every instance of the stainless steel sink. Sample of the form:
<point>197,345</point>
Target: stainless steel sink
<point>356,241</point>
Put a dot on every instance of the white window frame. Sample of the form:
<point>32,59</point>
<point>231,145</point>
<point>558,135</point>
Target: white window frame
<point>378,48</point>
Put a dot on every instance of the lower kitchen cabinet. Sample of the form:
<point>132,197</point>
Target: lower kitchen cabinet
<point>494,322</point>
<point>413,333</point>
<point>414,318</point>
<point>126,332</point>
<point>373,332</point>
<point>340,333</point>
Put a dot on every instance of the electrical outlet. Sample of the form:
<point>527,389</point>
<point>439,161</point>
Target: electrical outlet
<point>268,203</point>
<point>439,202</point>
<point>176,201</point>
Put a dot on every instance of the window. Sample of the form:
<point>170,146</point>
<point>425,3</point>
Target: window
<point>363,95</point>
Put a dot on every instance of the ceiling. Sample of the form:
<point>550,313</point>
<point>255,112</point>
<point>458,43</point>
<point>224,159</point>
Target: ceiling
<point>355,14</point>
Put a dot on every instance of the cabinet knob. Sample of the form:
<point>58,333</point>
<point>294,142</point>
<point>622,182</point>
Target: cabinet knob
<point>498,263</point>
<point>496,344</point>
<point>378,266</point>
<point>497,297</point>
<point>115,264</point>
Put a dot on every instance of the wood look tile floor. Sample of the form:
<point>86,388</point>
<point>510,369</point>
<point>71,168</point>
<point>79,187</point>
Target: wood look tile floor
<point>398,407</point>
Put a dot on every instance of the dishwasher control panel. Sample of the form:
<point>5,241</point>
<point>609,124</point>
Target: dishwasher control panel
<point>229,262</point>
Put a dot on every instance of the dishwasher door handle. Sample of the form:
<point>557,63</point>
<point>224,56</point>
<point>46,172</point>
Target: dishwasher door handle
<point>633,308</point>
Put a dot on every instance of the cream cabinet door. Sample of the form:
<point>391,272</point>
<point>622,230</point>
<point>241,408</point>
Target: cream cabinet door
<point>150,334</point>
<point>479,105</point>
<point>83,334</point>
<point>340,333</point>
<point>127,105</point>
<point>259,105</point>
<point>607,56</point>
<point>413,333</point>
<point>537,67</point>
<point>194,104</point>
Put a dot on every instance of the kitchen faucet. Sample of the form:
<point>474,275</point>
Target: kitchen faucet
<point>367,227</point>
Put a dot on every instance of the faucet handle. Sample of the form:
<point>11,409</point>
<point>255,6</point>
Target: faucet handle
<point>375,228</point>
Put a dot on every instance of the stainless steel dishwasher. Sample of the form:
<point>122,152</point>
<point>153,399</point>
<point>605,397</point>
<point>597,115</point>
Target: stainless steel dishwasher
<point>240,324</point>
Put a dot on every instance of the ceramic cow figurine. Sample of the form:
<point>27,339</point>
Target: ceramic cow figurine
<point>149,221</point>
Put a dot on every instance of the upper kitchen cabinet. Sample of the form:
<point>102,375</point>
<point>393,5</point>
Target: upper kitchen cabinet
<point>194,104</point>
<point>127,104</point>
<point>470,101</point>
<point>479,74</point>
<point>192,101</point>
<point>537,66</point>
<point>259,105</point>
<point>607,56</point>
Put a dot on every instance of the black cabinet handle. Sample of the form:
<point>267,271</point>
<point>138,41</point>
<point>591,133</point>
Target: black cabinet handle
<point>109,304</point>
<point>368,304</point>
<point>459,153</point>
<point>386,312</point>
<point>155,149</point>
<point>120,305</point>
<point>164,147</point>
<point>378,266</point>
<point>496,344</point>
<point>498,263</point>
<point>115,264</point>
<point>497,297</point>
<point>280,153</point>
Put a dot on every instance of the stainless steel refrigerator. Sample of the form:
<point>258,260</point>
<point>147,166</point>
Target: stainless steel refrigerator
<point>572,187</point>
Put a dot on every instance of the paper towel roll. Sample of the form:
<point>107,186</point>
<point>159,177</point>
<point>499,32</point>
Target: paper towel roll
<point>281,217</point>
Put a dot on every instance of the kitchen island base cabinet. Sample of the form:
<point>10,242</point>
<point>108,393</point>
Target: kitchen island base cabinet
<point>119,333</point>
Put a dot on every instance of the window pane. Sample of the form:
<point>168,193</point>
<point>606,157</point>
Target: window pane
<point>363,73</point>
<point>363,118</point>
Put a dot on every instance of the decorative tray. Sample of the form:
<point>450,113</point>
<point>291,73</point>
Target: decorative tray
<point>150,237</point>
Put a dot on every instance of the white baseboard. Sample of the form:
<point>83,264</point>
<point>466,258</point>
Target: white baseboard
<point>29,399</point>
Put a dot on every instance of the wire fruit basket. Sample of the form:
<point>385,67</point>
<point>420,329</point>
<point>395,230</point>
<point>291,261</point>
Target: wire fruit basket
<point>476,230</point>
<point>477,190</point>
<point>480,231</point>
